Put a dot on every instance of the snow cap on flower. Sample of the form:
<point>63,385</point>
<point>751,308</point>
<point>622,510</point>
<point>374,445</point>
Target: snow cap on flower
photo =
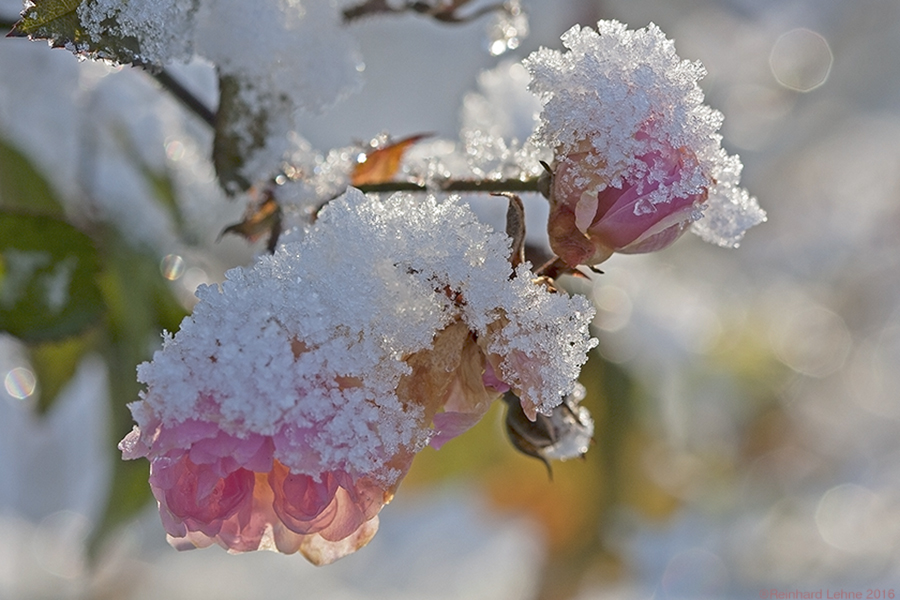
<point>289,406</point>
<point>638,156</point>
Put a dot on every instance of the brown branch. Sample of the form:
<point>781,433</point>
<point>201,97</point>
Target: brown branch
<point>443,13</point>
<point>490,186</point>
<point>185,96</point>
<point>163,77</point>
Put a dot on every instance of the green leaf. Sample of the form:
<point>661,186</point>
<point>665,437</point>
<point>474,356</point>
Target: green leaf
<point>242,128</point>
<point>54,364</point>
<point>58,22</point>
<point>160,180</point>
<point>45,18</point>
<point>164,191</point>
<point>48,270</point>
<point>231,146</point>
<point>22,187</point>
<point>140,305</point>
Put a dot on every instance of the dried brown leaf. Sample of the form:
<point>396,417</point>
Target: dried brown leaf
<point>381,165</point>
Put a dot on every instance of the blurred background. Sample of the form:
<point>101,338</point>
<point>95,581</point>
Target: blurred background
<point>747,401</point>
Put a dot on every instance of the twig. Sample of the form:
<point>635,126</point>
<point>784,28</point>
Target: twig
<point>457,185</point>
<point>444,13</point>
<point>163,77</point>
<point>185,96</point>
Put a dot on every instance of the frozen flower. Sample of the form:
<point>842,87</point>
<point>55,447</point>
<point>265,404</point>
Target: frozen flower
<point>637,154</point>
<point>285,412</point>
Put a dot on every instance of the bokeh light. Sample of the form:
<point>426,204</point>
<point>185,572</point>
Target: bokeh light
<point>801,60</point>
<point>811,340</point>
<point>172,267</point>
<point>193,278</point>
<point>613,307</point>
<point>175,150</point>
<point>855,519</point>
<point>58,543</point>
<point>20,383</point>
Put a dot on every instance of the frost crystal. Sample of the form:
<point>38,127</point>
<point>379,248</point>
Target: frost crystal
<point>325,367</point>
<point>624,104</point>
<point>162,28</point>
<point>508,28</point>
<point>497,125</point>
<point>289,48</point>
<point>288,55</point>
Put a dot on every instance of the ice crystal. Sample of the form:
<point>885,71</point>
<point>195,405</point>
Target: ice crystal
<point>508,28</point>
<point>498,122</point>
<point>162,28</point>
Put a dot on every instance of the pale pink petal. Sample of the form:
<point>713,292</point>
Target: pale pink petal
<point>348,517</point>
<point>448,425</point>
<point>586,226</point>
<point>490,379</point>
<point>192,499</point>
<point>132,446</point>
<point>586,210</point>
<point>225,453</point>
<point>303,504</point>
<point>320,551</point>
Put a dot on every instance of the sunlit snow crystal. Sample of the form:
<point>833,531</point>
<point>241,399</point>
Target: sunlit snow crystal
<point>498,122</point>
<point>286,47</point>
<point>162,28</point>
<point>625,95</point>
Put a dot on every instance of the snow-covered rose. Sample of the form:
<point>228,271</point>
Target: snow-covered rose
<point>638,158</point>
<point>285,412</point>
